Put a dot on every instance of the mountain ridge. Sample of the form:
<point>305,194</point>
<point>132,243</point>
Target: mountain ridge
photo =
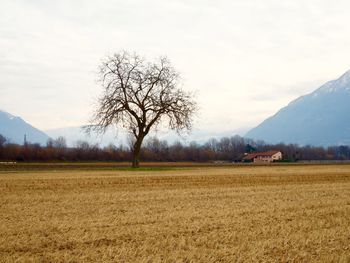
<point>120,137</point>
<point>319,118</point>
<point>14,128</point>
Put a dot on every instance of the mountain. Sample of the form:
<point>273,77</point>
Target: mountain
<point>319,118</point>
<point>14,129</point>
<point>120,137</point>
<point>76,133</point>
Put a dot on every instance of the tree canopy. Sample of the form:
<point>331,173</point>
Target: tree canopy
<point>139,95</point>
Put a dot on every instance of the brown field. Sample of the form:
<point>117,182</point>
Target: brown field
<point>284,213</point>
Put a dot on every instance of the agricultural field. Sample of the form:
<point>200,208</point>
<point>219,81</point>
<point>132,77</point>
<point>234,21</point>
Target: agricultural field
<point>189,213</point>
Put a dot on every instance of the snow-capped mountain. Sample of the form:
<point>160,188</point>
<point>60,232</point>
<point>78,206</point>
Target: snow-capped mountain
<point>14,129</point>
<point>319,118</point>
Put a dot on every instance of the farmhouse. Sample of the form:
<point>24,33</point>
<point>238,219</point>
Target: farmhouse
<point>263,157</point>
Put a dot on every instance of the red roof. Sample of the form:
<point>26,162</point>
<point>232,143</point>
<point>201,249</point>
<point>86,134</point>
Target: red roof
<point>256,154</point>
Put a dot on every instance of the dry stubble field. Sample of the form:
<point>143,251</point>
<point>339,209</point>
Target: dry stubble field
<point>296,213</point>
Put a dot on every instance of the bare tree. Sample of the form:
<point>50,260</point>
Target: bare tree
<point>139,95</point>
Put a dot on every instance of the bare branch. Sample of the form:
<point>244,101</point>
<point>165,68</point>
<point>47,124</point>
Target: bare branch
<point>139,95</point>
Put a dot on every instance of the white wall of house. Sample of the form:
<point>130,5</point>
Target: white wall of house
<point>268,159</point>
<point>277,156</point>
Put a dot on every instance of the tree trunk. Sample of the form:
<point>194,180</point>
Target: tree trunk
<point>136,153</point>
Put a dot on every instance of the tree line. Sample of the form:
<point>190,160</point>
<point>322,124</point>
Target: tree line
<point>230,149</point>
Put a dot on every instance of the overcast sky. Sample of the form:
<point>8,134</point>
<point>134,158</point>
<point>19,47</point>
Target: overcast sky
<point>245,58</point>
